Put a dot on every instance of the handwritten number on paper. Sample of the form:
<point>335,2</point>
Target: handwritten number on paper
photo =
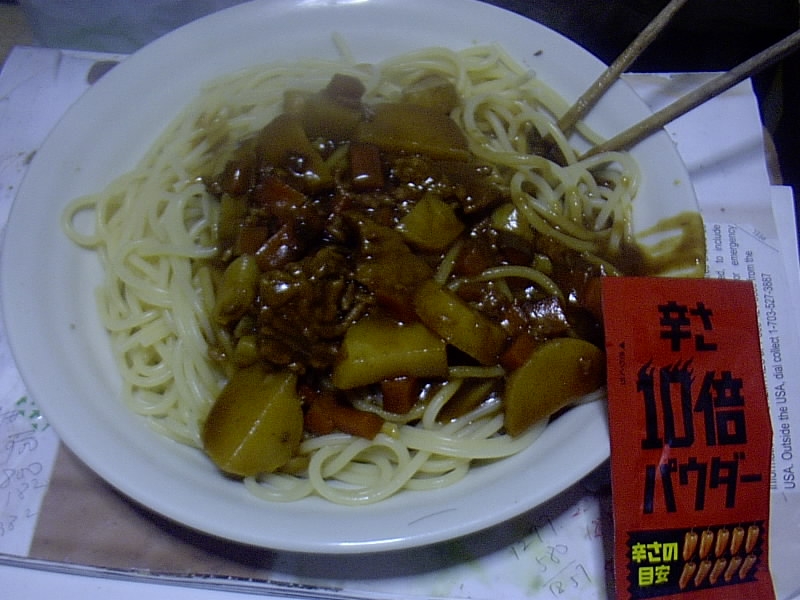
<point>560,574</point>
<point>23,467</point>
<point>573,576</point>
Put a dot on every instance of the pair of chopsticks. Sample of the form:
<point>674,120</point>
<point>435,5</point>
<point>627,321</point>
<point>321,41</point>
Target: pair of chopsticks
<point>693,99</point>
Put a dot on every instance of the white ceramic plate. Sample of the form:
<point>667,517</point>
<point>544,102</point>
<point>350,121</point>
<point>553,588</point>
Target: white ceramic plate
<point>63,351</point>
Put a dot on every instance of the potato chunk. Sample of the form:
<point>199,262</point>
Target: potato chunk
<point>459,323</point>
<point>400,127</point>
<point>556,374</point>
<point>376,348</point>
<point>432,224</point>
<point>237,290</point>
<point>283,140</point>
<point>434,92</point>
<point>256,423</point>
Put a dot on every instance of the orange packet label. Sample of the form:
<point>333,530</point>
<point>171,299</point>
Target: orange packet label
<point>691,439</point>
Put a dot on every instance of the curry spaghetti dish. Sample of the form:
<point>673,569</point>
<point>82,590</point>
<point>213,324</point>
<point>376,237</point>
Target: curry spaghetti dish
<point>347,280</point>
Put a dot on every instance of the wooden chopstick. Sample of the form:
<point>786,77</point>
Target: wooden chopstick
<point>695,98</point>
<point>623,61</point>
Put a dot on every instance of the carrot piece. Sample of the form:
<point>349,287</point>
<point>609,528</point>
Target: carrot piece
<point>366,168</point>
<point>358,422</point>
<point>250,239</point>
<point>475,256</point>
<point>279,196</point>
<point>591,298</point>
<point>325,414</point>
<point>518,352</point>
<point>399,394</point>
<point>279,249</point>
<point>345,89</point>
<point>318,420</point>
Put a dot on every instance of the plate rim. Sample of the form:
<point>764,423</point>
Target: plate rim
<point>11,297</point>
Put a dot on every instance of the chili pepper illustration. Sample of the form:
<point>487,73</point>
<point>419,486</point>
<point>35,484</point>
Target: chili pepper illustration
<point>702,572</point>
<point>723,535</point>
<point>719,568</point>
<point>706,541</point>
<point>690,544</point>
<point>686,575</point>
<point>752,537</point>
<point>733,566</point>
<point>747,564</point>
<point>737,537</point>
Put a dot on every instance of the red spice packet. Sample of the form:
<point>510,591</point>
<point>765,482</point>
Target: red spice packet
<point>691,439</point>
